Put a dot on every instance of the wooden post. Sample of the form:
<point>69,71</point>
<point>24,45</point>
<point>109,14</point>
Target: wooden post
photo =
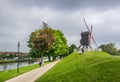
<point>18,57</point>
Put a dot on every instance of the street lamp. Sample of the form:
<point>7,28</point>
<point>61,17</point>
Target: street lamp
<point>18,58</point>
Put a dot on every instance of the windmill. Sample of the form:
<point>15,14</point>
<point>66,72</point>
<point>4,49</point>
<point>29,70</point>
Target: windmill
<point>86,37</point>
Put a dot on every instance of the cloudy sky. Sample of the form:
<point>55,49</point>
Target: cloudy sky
<point>18,18</point>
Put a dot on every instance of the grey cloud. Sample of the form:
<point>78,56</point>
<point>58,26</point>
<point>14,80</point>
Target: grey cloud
<point>18,18</point>
<point>67,4</point>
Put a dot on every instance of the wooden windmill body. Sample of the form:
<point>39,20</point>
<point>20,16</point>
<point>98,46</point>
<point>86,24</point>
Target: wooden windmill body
<point>86,38</point>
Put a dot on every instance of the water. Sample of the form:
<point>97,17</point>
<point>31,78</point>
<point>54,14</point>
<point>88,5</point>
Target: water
<point>8,66</point>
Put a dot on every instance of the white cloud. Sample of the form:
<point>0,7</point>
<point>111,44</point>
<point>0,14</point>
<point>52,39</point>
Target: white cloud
<point>18,22</point>
<point>73,39</point>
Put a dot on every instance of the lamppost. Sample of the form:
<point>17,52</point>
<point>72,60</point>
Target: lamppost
<point>18,58</point>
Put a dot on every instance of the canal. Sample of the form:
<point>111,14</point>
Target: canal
<point>8,66</point>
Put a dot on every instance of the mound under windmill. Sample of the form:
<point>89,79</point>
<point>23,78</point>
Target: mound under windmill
<point>87,38</point>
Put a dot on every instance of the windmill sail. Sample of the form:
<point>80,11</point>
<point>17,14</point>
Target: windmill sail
<point>90,33</point>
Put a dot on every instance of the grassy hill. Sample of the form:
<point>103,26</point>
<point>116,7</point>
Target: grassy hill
<point>90,67</point>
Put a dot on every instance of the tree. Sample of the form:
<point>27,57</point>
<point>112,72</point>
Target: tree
<point>109,48</point>
<point>41,41</point>
<point>60,47</point>
<point>34,54</point>
<point>48,41</point>
<point>72,48</point>
<point>118,53</point>
<point>11,56</point>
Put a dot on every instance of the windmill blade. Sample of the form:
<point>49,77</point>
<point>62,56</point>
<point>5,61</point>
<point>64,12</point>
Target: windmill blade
<point>91,29</point>
<point>86,25</point>
<point>94,40</point>
<point>90,34</point>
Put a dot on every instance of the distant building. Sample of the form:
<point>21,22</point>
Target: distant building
<point>15,53</point>
<point>98,49</point>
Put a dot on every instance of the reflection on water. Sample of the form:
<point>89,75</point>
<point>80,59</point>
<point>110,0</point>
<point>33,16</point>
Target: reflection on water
<point>8,66</point>
<point>5,67</point>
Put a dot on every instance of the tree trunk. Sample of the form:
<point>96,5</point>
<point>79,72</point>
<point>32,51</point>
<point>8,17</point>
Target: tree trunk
<point>42,60</point>
<point>54,58</point>
<point>60,56</point>
<point>49,59</point>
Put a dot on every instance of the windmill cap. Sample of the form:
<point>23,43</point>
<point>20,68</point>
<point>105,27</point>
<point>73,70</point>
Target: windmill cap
<point>85,33</point>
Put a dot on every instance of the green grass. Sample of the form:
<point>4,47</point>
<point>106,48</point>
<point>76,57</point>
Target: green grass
<point>5,75</point>
<point>90,67</point>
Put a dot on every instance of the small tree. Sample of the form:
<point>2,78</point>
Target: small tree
<point>71,48</point>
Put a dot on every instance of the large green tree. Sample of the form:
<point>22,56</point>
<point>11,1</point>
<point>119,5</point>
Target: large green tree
<point>60,47</point>
<point>41,41</point>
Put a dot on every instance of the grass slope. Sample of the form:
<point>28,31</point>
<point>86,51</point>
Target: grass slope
<point>90,67</point>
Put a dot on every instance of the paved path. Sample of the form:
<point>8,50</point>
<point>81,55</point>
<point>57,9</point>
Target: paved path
<point>34,74</point>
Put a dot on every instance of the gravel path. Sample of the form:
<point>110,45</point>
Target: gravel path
<point>34,74</point>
